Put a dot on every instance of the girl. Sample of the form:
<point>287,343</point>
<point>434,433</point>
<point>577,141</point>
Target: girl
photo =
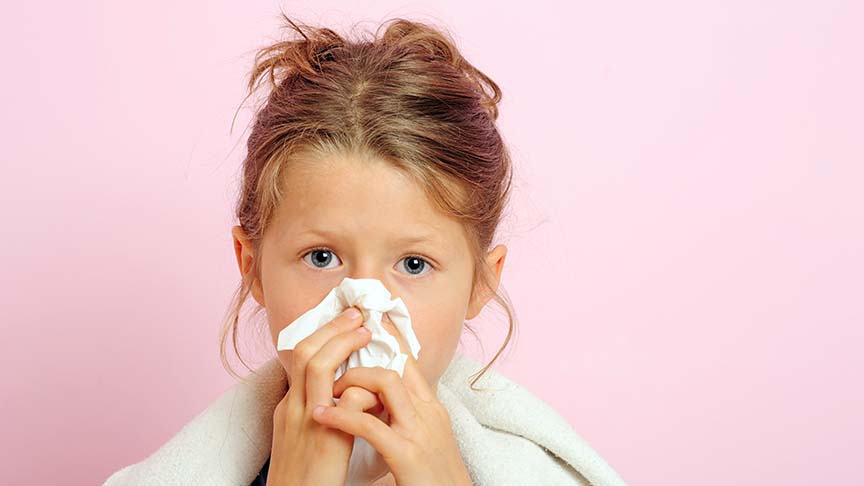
<point>372,159</point>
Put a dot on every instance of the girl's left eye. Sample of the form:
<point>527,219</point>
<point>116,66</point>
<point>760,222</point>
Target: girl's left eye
<point>321,257</point>
<point>415,265</point>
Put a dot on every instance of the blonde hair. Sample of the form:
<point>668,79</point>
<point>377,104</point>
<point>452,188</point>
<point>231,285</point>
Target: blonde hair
<point>406,97</point>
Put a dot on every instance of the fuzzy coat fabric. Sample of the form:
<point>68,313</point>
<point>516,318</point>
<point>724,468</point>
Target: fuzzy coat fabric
<point>506,435</point>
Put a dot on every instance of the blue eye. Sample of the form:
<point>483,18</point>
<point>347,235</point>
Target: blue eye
<point>415,261</point>
<point>321,257</point>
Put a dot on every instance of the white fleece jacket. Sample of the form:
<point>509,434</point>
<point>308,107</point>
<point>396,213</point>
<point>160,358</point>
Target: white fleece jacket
<point>506,435</point>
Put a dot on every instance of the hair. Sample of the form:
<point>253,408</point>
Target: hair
<point>406,97</point>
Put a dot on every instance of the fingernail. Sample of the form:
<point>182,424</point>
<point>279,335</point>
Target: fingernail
<point>352,313</point>
<point>363,330</point>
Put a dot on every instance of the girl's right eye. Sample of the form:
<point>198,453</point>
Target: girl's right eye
<point>320,257</point>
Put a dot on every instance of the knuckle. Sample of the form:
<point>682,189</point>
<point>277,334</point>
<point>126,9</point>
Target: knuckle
<point>392,377</point>
<point>316,367</point>
<point>285,413</point>
<point>302,353</point>
<point>352,398</point>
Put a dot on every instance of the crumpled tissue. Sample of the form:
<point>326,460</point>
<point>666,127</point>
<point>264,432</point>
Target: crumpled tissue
<point>373,299</point>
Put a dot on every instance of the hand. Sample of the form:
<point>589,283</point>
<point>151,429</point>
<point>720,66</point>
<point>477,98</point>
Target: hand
<point>303,451</point>
<point>415,438</point>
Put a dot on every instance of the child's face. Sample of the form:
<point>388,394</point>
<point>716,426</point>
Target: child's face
<point>360,212</point>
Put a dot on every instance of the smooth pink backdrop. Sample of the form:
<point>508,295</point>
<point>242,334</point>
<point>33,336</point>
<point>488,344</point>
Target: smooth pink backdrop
<point>685,252</point>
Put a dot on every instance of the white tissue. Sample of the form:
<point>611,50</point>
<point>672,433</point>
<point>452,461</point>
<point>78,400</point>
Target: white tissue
<point>373,299</point>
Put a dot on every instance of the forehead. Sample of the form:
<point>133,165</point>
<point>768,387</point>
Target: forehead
<point>360,196</point>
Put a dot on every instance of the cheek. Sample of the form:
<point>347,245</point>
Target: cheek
<point>284,307</point>
<point>287,299</point>
<point>438,329</point>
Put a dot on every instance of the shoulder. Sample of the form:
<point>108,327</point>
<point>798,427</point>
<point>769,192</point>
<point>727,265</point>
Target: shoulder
<point>506,432</point>
<point>224,445</point>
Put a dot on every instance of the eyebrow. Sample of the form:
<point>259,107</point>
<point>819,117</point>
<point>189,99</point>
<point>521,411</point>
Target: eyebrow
<point>430,237</point>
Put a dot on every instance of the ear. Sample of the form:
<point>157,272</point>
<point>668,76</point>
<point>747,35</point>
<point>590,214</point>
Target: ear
<point>245,258</point>
<point>481,295</point>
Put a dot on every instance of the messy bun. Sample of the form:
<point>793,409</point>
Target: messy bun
<point>406,96</point>
<point>321,46</point>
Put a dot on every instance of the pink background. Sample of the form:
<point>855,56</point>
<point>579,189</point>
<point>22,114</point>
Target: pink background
<point>685,257</point>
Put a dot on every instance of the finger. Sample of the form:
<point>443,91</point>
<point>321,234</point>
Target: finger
<point>389,387</point>
<point>359,399</point>
<point>416,382</point>
<point>321,369</point>
<point>311,344</point>
<point>378,434</point>
<point>412,376</point>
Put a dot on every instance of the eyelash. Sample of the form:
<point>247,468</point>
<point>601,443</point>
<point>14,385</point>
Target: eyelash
<point>421,257</point>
